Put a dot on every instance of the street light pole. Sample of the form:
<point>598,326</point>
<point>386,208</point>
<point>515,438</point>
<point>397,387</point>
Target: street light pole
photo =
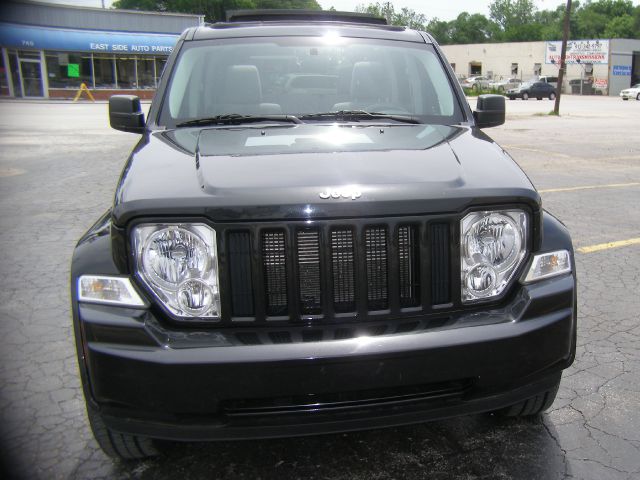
<point>563,56</point>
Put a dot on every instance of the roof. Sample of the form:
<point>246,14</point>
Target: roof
<point>39,14</point>
<point>103,10</point>
<point>276,14</point>
<point>302,28</point>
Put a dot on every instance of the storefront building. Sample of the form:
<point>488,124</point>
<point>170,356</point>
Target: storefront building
<point>49,50</point>
<point>600,66</point>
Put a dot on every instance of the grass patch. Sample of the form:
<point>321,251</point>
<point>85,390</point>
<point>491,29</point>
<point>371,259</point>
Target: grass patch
<point>541,114</point>
<point>473,92</point>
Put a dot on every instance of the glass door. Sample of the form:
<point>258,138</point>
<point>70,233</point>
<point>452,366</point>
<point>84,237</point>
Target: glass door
<point>31,78</point>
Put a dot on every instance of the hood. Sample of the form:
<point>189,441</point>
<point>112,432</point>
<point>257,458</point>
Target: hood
<point>319,171</point>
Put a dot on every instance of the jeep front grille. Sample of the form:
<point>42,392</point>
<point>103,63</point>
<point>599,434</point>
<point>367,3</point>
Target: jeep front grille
<point>329,270</point>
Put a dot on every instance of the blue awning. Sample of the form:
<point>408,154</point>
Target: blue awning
<point>45,38</point>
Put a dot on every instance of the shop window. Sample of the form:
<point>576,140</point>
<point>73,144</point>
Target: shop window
<point>68,70</point>
<point>126,71</point>
<point>537,69</point>
<point>104,67</point>
<point>146,75</point>
<point>514,69</point>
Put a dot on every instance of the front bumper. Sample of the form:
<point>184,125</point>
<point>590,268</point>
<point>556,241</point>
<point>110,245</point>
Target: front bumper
<point>199,385</point>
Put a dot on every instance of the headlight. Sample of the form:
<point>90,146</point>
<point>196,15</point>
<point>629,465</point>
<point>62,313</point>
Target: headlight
<point>179,264</point>
<point>492,247</point>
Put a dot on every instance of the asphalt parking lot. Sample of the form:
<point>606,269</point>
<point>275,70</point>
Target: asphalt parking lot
<point>58,167</point>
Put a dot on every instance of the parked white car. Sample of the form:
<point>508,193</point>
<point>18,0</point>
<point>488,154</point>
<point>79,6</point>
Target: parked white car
<point>475,83</point>
<point>633,92</point>
<point>506,84</point>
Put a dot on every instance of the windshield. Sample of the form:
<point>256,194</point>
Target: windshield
<point>302,76</point>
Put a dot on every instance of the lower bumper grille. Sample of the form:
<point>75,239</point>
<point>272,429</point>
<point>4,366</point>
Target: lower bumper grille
<point>441,392</point>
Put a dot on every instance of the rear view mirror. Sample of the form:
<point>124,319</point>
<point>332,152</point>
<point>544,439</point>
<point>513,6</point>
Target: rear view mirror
<point>125,113</point>
<point>490,111</point>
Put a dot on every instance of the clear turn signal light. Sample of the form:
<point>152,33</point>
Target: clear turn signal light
<point>546,265</point>
<point>108,290</point>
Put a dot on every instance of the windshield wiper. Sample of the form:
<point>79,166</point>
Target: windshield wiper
<point>237,119</point>
<point>356,115</point>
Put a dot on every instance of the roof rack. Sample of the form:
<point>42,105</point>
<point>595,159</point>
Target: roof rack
<point>276,15</point>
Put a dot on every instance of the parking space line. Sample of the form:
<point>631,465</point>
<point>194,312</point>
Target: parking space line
<point>536,150</point>
<point>606,246</point>
<point>590,187</point>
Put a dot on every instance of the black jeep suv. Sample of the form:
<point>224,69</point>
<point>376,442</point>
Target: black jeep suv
<point>314,235</point>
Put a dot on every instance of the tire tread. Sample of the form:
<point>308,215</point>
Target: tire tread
<point>120,445</point>
<point>532,406</point>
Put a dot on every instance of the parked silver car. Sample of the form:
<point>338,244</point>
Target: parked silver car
<point>475,83</point>
<point>506,84</point>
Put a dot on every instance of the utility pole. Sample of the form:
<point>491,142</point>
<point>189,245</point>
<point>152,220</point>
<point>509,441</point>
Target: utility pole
<point>563,56</point>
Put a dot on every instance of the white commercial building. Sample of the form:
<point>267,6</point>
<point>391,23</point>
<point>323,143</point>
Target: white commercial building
<point>602,66</point>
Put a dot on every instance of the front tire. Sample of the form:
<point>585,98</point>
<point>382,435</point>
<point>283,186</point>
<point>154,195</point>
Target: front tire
<point>638,97</point>
<point>525,96</point>
<point>532,406</point>
<point>119,445</point>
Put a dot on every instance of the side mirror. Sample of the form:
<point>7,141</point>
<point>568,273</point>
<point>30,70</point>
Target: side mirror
<point>125,113</point>
<point>490,111</point>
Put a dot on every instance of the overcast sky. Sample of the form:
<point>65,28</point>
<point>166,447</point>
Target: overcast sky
<point>444,10</point>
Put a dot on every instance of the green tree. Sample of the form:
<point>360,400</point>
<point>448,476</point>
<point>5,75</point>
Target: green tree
<point>621,27</point>
<point>512,13</point>
<point>441,31</point>
<point>411,19</point>
<point>406,16</point>
<point>592,18</point>
<point>550,22</point>
<point>467,28</point>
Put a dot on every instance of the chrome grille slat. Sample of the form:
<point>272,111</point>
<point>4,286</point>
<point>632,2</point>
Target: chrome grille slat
<point>409,266</point>
<point>343,270</point>
<point>308,242</point>
<point>375,239</point>
<point>275,272</point>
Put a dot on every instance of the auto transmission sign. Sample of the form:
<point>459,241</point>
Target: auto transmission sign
<point>587,51</point>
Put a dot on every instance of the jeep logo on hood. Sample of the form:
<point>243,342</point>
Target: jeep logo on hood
<point>344,193</point>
